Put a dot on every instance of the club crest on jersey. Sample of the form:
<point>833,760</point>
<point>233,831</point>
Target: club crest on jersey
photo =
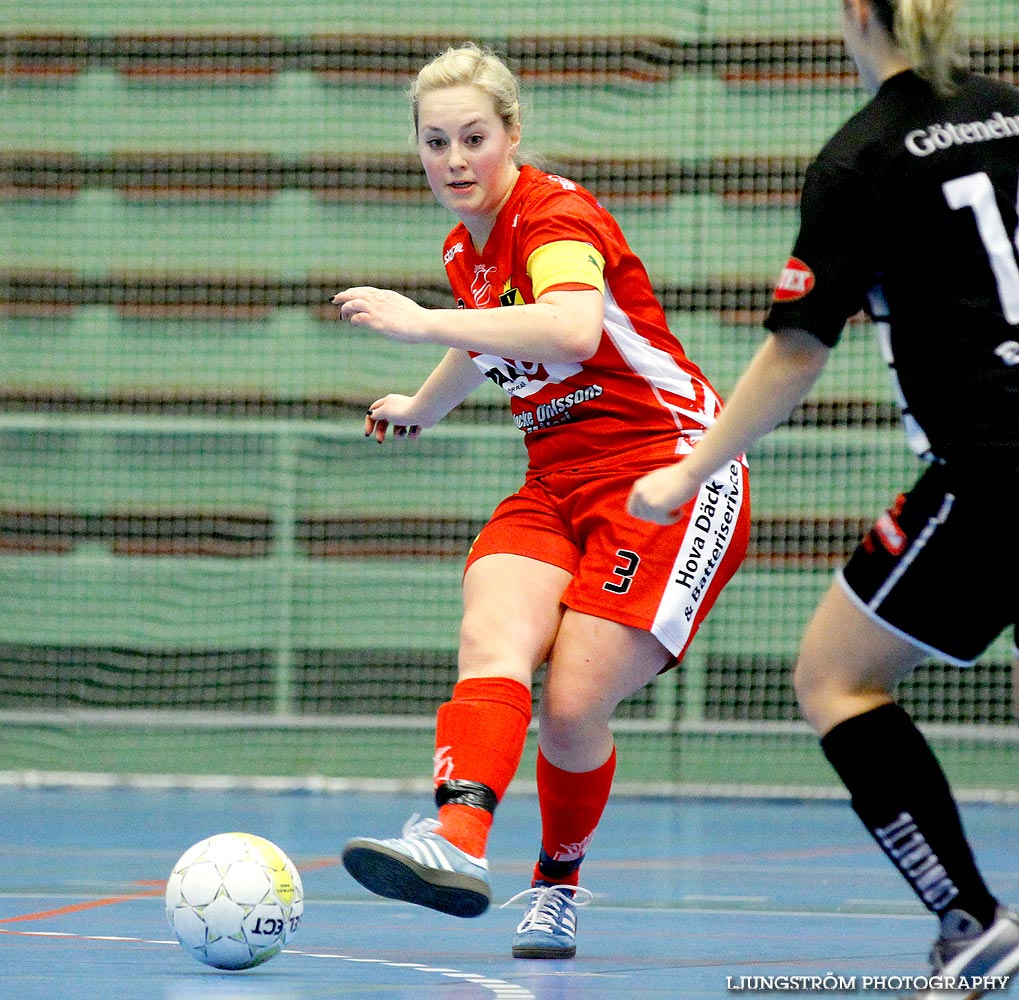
<point>795,281</point>
<point>481,288</point>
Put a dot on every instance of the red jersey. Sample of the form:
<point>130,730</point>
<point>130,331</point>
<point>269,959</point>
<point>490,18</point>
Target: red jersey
<point>639,396</point>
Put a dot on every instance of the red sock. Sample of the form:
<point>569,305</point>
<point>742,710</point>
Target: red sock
<point>479,738</point>
<point>571,806</point>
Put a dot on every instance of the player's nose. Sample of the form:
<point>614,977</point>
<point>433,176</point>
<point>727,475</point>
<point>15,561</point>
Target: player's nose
<point>457,156</point>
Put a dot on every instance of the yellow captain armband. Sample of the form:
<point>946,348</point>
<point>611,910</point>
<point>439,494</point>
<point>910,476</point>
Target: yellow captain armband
<point>566,262</point>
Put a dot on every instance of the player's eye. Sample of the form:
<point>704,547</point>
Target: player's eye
<point>474,140</point>
<point>435,143</point>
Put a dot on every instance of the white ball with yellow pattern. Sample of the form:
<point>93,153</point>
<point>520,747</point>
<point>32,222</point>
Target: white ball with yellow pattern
<point>234,900</point>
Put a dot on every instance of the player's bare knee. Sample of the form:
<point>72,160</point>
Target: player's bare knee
<point>569,723</point>
<point>560,725</point>
<point>818,689</point>
<point>575,747</point>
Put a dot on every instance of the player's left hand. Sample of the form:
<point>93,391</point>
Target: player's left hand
<point>383,311</point>
<point>396,411</point>
<point>659,496</point>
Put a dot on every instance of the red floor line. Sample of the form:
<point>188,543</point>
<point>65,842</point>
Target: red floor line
<point>160,888</point>
<point>90,904</point>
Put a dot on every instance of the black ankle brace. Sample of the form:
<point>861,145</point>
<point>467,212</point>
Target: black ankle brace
<point>466,793</point>
<point>557,870</point>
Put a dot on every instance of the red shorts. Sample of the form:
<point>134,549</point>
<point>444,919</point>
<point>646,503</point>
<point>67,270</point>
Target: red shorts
<point>662,579</point>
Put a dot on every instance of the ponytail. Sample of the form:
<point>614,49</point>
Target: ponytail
<point>925,31</point>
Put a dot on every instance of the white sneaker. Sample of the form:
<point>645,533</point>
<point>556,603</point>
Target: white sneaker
<point>549,927</point>
<point>965,952</point>
<point>421,867</point>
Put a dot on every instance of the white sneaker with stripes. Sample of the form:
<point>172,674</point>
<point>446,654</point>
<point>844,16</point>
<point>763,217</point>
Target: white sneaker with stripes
<point>549,927</point>
<point>421,867</point>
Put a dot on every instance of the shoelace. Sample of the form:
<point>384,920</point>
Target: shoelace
<point>546,904</point>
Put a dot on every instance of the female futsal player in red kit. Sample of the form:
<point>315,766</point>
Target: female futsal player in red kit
<point>554,307</point>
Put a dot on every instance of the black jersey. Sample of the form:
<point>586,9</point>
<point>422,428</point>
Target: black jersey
<point>910,212</point>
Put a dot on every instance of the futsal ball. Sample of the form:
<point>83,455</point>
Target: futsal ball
<point>234,900</point>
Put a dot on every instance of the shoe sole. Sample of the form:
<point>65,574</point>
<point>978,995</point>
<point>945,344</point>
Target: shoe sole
<point>537,951</point>
<point>395,876</point>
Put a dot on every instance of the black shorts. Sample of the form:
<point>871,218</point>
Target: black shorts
<point>939,567</point>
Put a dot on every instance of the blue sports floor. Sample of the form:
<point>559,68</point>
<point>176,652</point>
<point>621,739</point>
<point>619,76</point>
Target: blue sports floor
<point>690,896</point>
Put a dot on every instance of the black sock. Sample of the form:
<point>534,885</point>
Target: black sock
<point>902,796</point>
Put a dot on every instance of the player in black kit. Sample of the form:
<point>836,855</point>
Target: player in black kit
<point>909,211</point>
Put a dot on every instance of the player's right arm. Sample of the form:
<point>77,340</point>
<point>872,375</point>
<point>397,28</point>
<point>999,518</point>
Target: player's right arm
<point>452,380</point>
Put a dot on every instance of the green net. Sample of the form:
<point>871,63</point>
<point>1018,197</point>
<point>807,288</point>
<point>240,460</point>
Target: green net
<point>205,569</point>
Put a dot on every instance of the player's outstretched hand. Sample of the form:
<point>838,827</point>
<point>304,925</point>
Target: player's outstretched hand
<point>394,411</point>
<point>659,496</point>
<point>383,311</point>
